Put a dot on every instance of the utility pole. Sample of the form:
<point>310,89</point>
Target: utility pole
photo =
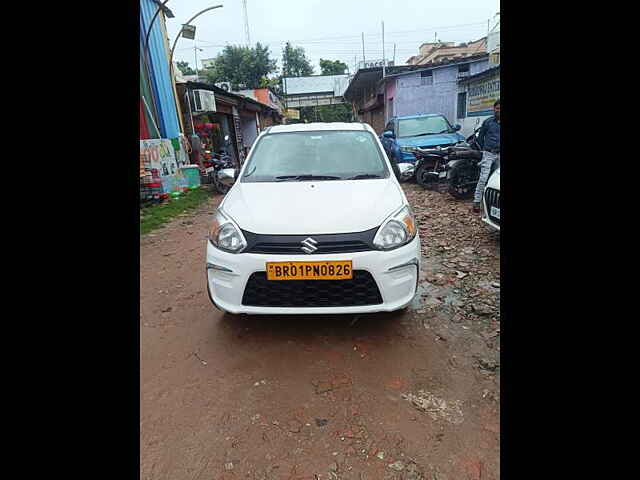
<point>383,58</point>
<point>363,60</point>
<point>195,53</point>
<point>394,53</point>
<point>284,83</point>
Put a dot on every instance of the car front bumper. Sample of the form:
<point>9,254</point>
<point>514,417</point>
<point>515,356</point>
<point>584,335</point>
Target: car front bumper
<point>485,216</point>
<point>395,272</point>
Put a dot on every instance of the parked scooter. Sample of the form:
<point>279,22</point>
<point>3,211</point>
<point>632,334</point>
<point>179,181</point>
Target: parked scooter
<point>222,170</point>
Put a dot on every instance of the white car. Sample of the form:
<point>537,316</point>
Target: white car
<point>315,223</point>
<point>491,201</point>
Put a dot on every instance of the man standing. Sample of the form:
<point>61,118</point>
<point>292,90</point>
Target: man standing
<point>489,140</point>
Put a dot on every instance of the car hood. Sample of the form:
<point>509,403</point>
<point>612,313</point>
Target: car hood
<point>305,208</point>
<point>430,140</point>
<point>494,180</point>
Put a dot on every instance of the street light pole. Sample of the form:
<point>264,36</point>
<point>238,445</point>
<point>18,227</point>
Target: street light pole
<point>180,32</point>
<point>171,69</point>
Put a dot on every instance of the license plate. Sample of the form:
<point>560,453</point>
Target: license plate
<point>329,270</point>
<point>442,174</point>
<point>495,212</point>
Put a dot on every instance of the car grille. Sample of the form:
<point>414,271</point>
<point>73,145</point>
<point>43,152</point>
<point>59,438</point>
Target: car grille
<point>292,244</point>
<point>492,199</point>
<point>360,290</point>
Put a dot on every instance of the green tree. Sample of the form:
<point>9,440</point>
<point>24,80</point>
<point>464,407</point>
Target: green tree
<point>332,67</point>
<point>244,67</point>
<point>185,68</point>
<point>335,113</point>
<point>295,63</point>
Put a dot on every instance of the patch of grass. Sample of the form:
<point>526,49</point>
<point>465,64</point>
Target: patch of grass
<point>154,216</point>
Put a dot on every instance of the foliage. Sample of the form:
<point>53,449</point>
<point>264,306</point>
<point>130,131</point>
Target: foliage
<point>154,216</point>
<point>185,68</point>
<point>332,67</point>
<point>244,67</point>
<point>295,63</point>
<point>335,113</point>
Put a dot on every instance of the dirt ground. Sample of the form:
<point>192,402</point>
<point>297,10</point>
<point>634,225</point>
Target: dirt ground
<point>406,395</point>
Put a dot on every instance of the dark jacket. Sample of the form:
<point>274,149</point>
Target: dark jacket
<point>489,135</point>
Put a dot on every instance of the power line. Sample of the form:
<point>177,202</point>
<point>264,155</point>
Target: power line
<point>357,37</point>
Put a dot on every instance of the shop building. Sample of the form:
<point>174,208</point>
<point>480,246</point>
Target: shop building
<point>212,113</point>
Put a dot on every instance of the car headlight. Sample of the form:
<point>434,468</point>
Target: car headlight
<point>397,230</point>
<point>408,149</point>
<point>225,234</point>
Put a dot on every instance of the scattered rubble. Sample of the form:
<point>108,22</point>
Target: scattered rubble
<point>436,407</point>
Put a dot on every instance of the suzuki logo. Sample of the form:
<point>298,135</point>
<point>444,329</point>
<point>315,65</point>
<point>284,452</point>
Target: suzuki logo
<point>309,245</point>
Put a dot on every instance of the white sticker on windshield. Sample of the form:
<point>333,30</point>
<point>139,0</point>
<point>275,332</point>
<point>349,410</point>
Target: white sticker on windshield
<point>316,138</point>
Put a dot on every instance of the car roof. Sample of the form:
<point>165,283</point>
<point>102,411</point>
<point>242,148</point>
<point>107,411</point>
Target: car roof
<point>319,126</point>
<point>419,116</point>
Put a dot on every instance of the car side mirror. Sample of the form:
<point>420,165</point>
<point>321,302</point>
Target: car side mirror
<point>388,134</point>
<point>457,127</point>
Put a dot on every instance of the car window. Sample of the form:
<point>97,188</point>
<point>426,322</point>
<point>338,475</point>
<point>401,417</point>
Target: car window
<point>411,127</point>
<point>341,154</point>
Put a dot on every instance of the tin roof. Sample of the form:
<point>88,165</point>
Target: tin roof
<point>484,73</point>
<point>335,84</point>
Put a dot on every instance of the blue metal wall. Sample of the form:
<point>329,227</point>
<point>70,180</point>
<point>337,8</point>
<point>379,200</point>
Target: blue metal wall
<point>412,97</point>
<point>160,78</point>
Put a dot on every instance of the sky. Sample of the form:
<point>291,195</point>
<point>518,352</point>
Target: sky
<point>329,29</point>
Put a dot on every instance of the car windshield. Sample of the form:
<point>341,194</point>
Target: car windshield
<point>317,155</point>
<point>413,127</point>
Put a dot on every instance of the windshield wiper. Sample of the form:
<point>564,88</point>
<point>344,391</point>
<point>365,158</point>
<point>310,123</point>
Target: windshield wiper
<point>364,175</point>
<point>249,173</point>
<point>283,178</point>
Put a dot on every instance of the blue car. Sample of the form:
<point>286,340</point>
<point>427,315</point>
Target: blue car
<point>402,135</point>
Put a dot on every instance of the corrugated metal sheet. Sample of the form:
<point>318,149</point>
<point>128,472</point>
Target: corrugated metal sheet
<point>159,70</point>
<point>317,84</point>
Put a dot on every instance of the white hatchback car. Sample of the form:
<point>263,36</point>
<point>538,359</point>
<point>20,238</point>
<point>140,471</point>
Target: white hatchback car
<point>491,201</point>
<point>315,223</point>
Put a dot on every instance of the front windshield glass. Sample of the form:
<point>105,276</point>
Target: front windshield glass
<point>319,155</point>
<point>412,127</point>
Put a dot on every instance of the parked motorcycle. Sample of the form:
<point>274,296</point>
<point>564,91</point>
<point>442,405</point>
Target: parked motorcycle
<point>455,166</point>
<point>221,169</point>
<point>464,168</point>
<point>431,167</point>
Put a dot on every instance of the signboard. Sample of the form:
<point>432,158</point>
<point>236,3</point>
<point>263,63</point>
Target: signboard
<point>159,161</point>
<point>292,113</point>
<point>374,63</point>
<point>189,31</point>
<point>482,95</point>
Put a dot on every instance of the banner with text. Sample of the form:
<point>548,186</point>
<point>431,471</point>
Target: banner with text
<point>482,95</point>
